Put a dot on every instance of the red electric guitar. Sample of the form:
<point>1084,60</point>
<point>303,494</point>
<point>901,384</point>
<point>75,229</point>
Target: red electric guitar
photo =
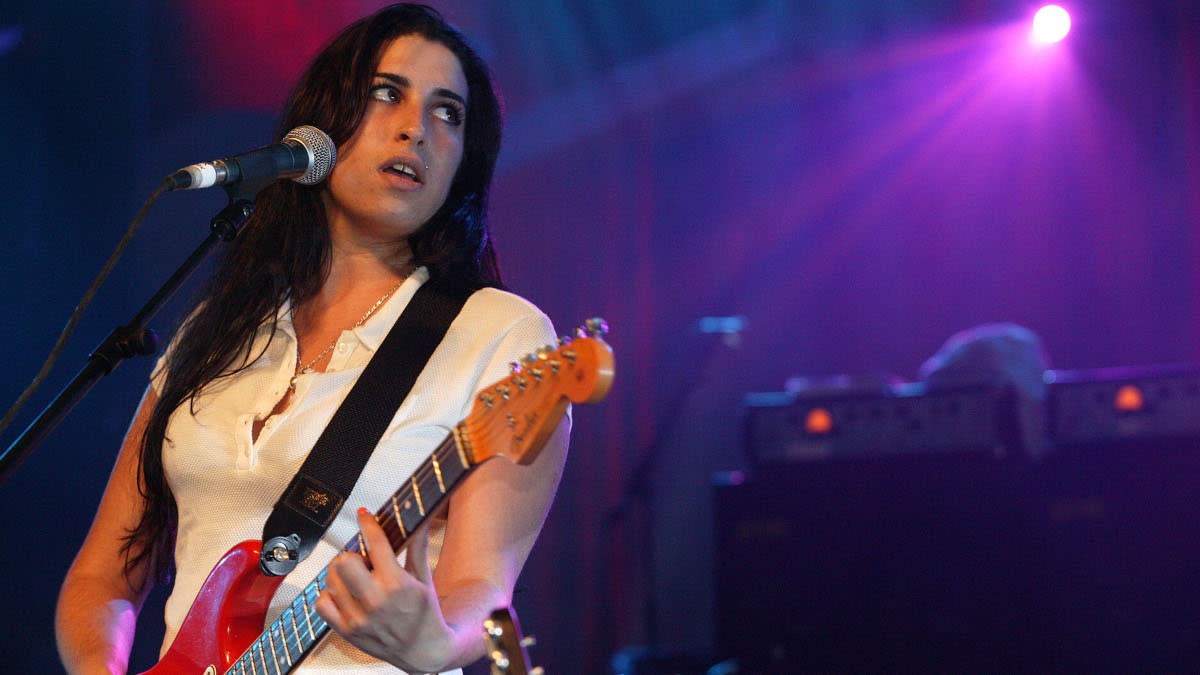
<point>223,631</point>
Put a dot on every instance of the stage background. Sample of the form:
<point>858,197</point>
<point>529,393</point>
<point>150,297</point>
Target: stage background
<point>856,180</point>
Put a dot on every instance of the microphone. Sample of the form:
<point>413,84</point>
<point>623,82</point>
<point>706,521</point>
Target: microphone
<point>306,155</point>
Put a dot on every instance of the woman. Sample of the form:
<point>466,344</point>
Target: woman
<point>307,292</point>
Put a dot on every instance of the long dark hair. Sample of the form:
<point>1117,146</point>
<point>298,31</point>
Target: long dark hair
<point>283,251</point>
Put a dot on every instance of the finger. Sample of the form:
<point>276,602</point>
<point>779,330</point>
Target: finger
<point>417,558</point>
<point>327,609</point>
<point>363,586</point>
<point>379,549</point>
<point>336,603</point>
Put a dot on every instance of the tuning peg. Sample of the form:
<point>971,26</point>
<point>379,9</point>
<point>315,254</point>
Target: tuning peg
<point>544,353</point>
<point>596,327</point>
<point>564,340</point>
<point>529,359</point>
<point>528,641</point>
<point>514,368</point>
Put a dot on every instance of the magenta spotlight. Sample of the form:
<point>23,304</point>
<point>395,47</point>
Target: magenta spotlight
<point>1051,24</point>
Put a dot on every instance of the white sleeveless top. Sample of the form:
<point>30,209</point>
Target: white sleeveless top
<point>225,483</point>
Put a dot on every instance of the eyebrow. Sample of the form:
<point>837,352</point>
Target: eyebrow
<point>440,91</point>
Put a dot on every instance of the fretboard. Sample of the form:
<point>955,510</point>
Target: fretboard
<point>293,635</point>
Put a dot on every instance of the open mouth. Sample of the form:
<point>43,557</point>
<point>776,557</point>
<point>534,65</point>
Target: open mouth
<point>402,169</point>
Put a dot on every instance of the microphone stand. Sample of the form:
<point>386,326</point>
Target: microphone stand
<point>132,339</point>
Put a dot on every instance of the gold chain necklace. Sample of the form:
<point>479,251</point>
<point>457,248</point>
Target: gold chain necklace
<point>308,367</point>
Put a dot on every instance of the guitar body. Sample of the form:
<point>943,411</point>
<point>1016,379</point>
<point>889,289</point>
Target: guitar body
<point>226,617</point>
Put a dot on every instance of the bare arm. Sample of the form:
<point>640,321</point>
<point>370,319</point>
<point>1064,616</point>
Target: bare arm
<point>98,605</point>
<point>430,623</point>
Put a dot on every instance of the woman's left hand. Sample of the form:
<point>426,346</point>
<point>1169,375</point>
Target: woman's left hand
<point>386,610</point>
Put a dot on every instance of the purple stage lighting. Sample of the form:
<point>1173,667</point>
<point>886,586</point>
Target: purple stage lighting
<point>1051,24</point>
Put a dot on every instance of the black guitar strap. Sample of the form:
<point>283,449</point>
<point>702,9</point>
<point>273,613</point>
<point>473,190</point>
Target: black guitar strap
<point>310,502</point>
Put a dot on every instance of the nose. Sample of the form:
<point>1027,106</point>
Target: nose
<point>411,125</point>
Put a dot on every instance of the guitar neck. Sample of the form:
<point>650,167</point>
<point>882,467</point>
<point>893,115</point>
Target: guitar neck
<point>294,634</point>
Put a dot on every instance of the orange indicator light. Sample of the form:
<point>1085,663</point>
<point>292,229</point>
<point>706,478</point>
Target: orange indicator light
<point>1129,399</point>
<point>819,421</point>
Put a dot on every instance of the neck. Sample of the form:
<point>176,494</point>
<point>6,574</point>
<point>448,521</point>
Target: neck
<point>354,284</point>
<point>358,268</point>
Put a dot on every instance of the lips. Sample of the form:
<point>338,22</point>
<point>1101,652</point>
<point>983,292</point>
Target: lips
<point>408,168</point>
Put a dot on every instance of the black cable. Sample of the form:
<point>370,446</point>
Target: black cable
<point>83,304</point>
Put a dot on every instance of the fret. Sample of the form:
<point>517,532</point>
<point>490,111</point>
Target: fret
<point>451,471</point>
<point>459,441</point>
<point>290,613</point>
<point>308,611</point>
<point>437,470</point>
<point>267,644</point>
<point>322,627</point>
<point>274,639</point>
<point>417,494</point>
<point>399,520</point>
<point>387,520</point>
<point>283,638</point>
<point>410,516</point>
<point>430,490</point>
<point>261,657</point>
<point>317,586</point>
<point>274,654</point>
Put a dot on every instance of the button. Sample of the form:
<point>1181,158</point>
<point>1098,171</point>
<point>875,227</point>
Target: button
<point>341,347</point>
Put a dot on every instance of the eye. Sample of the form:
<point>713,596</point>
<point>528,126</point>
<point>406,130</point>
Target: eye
<point>450,113</point>
<point>385,92</point>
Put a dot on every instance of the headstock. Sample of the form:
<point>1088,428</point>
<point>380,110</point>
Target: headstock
<point>516,415</point>
<point>506,647</point>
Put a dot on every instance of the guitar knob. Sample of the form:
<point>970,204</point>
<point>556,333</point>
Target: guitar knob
<point>528,641</point>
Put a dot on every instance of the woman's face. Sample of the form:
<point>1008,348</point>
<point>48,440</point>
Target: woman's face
<point>395,171</point>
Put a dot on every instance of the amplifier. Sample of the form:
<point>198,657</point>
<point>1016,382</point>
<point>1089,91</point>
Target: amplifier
<point>1124,404</point>
<point>796,427</point>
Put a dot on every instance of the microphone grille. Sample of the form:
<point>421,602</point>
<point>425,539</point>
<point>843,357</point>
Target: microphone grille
<point>321,151</point>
